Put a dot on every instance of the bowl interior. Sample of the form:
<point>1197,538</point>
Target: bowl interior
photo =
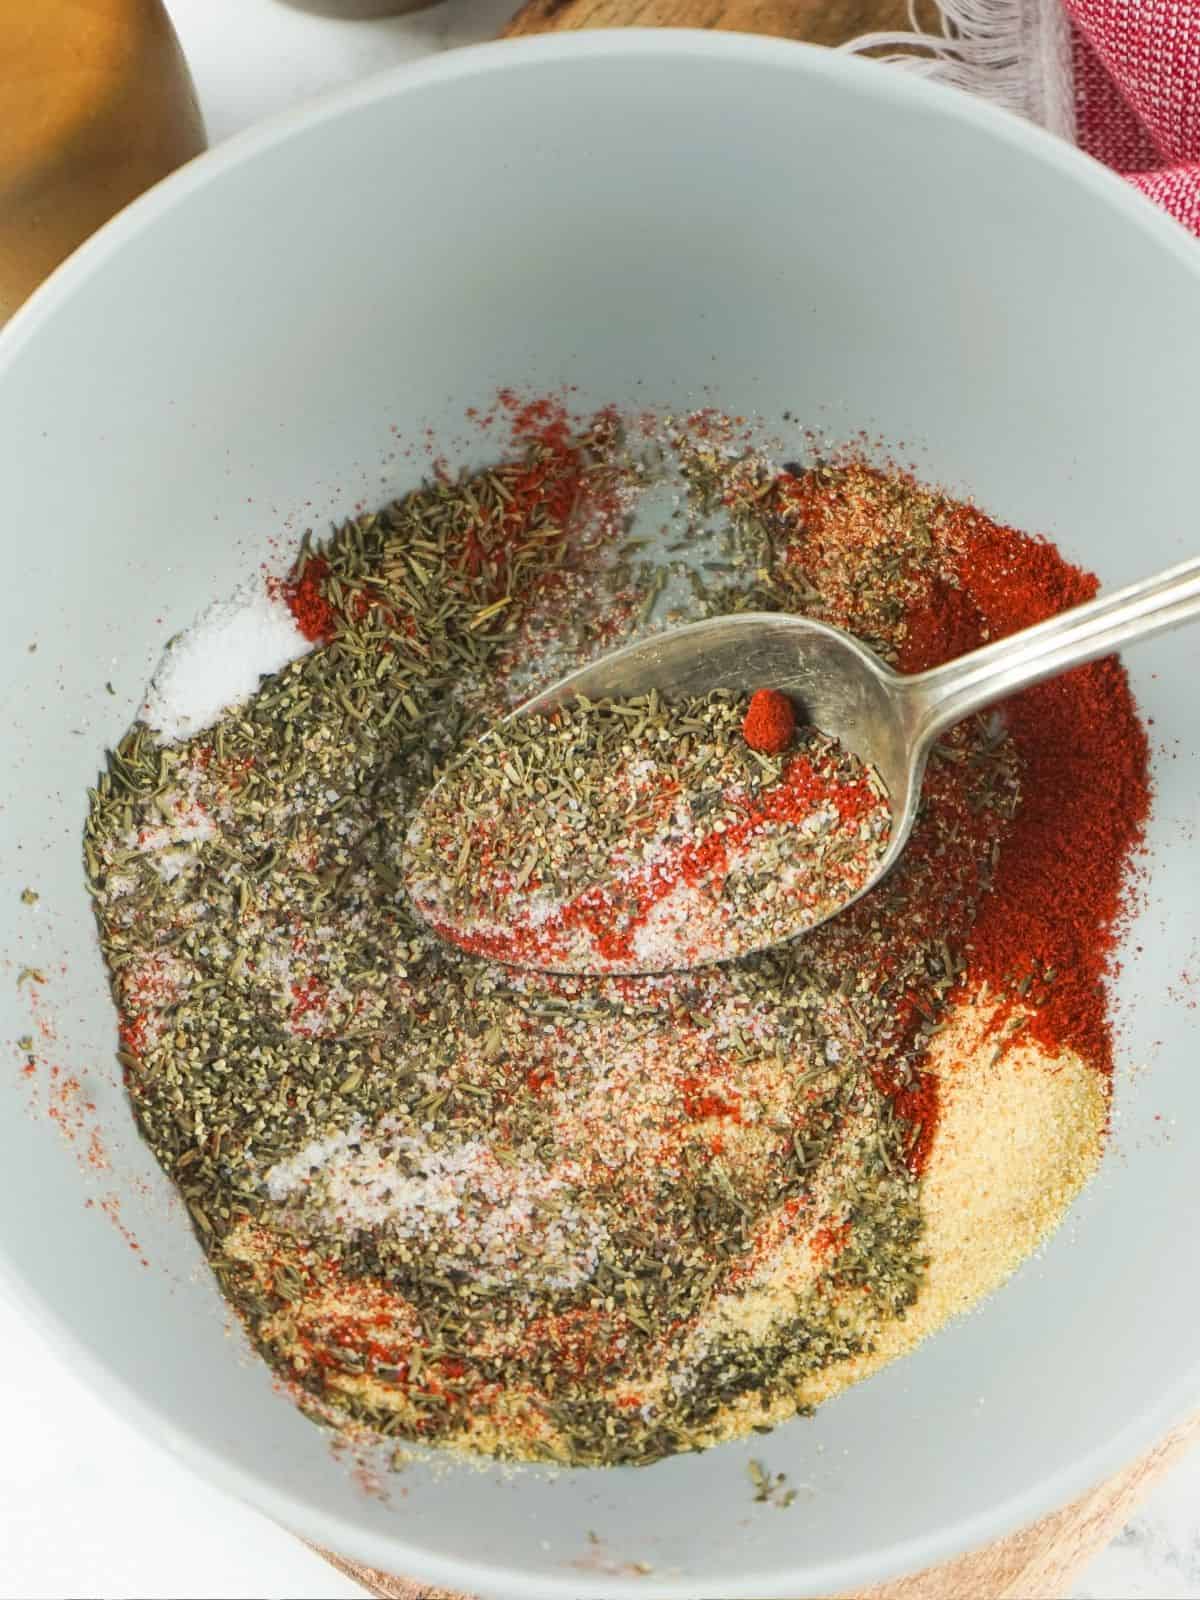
<point>652,219</point>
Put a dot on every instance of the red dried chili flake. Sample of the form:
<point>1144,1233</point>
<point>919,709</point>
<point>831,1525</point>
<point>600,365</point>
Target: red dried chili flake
<point>829,1241</point>
<point>700,1102</point>
<point>309,1001</point>
<point>770,723</point>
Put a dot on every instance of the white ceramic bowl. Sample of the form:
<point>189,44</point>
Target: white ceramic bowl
<point>654,218</point>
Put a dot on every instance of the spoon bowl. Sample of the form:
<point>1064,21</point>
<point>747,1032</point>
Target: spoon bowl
<point>834,681</point>
<point>889,720</point>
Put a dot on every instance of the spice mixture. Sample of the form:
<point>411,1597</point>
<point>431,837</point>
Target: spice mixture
<point>637,836</point>
<point>602,1219</point>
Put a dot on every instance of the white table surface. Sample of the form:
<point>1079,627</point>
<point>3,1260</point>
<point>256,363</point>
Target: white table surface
<point>89,1507</point>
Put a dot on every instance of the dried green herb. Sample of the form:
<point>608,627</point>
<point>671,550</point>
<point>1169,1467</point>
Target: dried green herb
<point>445,1196</point>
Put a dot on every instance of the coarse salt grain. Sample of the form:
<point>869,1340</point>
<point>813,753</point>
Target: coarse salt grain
<point>218,662</point>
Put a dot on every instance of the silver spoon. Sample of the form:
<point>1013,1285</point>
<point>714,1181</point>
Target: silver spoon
<point>887,719</point>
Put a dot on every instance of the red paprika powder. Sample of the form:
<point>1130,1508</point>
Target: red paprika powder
<point>770,722</point>
<point>305,596</point>
<point>1046,935</point>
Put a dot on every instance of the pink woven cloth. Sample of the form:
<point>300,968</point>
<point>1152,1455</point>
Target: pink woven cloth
<point>1136,71</point>
<point>1119,77</point>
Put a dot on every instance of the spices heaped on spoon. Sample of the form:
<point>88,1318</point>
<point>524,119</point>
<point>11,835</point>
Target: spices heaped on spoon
<point>642,836</point>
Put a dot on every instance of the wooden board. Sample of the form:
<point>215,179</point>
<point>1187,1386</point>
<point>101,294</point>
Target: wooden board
<point>818,21</point>
<point>1041,1562</point>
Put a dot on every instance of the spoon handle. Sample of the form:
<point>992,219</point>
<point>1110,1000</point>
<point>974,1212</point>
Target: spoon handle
<point>945,695</point>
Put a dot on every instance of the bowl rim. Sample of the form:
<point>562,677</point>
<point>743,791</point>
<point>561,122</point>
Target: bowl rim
<point>870,79</point>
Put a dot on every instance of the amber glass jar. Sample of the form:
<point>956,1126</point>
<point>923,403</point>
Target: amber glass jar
<point>96,104</point>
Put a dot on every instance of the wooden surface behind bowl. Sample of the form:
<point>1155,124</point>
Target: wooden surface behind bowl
<point>828,22</point>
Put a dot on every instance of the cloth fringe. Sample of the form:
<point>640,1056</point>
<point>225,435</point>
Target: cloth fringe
<point>1015,53</point>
